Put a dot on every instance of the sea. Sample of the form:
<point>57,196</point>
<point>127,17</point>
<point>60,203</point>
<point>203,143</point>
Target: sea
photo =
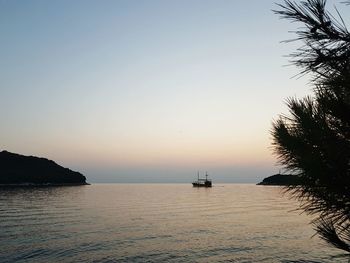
<point>157,223</point>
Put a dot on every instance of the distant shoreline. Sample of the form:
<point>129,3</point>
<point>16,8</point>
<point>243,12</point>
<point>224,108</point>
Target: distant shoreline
<point>17,170</point>
<point>280,180</point>
<point>24,185</point>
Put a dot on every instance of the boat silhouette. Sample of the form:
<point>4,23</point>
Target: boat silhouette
<point>202,182</point>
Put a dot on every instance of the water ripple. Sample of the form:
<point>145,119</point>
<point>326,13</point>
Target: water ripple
<point>156,223</point>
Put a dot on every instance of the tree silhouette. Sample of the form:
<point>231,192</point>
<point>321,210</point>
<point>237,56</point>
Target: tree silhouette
<point>313,141</point>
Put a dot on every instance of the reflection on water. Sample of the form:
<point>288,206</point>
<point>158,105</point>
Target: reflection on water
<point>156,223</point>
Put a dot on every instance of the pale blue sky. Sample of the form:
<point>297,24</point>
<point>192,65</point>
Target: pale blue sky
<point>145,91</point>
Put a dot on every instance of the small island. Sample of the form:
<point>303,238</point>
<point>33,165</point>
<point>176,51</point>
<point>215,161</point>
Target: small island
<point>20,170</point>
<point>281,179</point>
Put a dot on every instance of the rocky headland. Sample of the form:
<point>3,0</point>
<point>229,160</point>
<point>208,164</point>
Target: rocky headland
<point>20,170</point>
<point>281,179</point>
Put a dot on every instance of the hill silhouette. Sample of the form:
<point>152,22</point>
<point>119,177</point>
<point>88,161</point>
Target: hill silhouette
<point>281,179</point>
<point>16,169</point>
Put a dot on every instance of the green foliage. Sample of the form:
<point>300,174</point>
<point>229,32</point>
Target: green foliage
<point>313,141</point>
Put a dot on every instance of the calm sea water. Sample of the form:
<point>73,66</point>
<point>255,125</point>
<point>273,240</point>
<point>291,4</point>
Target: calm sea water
<point>156,223</point>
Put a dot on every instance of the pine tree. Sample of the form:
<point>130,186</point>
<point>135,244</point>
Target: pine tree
<point>313,141</point>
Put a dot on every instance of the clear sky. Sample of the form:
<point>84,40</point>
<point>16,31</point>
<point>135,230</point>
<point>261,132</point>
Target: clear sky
<point>145,91</point>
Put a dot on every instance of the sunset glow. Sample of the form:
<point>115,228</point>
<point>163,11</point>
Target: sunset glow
<point>184,84</point>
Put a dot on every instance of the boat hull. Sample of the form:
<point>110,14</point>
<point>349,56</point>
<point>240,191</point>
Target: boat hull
<point>202,185</point>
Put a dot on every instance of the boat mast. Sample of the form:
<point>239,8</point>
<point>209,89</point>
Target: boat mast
<point>206,176</point>
<point>198,175</point>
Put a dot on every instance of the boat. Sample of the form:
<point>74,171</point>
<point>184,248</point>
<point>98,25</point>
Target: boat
<point>202,182</point>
